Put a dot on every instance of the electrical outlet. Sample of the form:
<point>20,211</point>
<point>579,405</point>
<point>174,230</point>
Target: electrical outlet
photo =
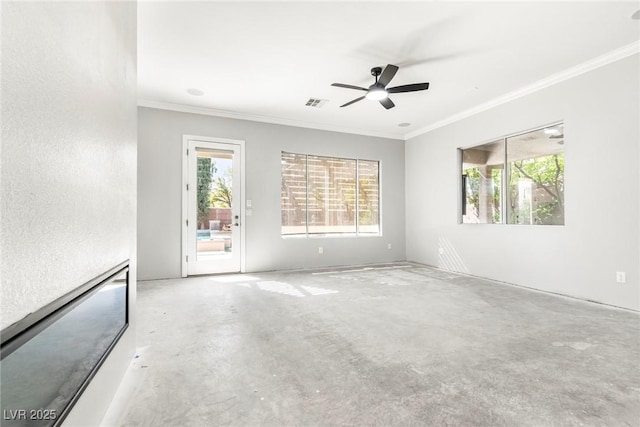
<point>621,277</point>
<point>389,246</point>
<point>320,250</point>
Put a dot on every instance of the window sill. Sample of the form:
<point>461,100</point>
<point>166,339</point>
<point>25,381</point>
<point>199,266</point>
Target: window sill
<point>328,236</point>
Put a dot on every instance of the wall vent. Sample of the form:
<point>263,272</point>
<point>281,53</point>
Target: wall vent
<point>316,102</point>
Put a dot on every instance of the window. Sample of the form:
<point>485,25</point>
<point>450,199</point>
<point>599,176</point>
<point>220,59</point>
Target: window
<point>368,197</point>
<point>529,190</point>
<point>293,190</point>
<point>331,195</point>
<point>536,177</point>
<point>482,168</point>
<point>327,195</point>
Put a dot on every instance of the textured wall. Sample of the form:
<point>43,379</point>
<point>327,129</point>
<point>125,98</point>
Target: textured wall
<point>601,113</point>
<point>68,166</point>
<point>68,148</point>
<point>159,192</point>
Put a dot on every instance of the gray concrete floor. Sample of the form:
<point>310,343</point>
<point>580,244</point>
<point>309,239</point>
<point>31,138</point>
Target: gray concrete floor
<point>393,345</point>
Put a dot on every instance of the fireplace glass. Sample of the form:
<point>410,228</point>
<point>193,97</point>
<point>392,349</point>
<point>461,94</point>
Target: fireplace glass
<point>45,367</point>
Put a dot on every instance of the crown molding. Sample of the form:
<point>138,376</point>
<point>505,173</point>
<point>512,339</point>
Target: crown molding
<point>600,61</point>
<point>263,119</point>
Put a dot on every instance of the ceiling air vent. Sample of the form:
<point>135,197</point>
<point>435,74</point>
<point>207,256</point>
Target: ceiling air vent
<point>316,102</point>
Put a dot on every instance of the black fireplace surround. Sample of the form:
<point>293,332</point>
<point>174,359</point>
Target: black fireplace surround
<point>48,358</point>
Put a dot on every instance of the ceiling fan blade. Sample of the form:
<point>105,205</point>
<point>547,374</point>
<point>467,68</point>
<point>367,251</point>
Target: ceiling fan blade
<point>409,88</point>
<point>387,103</point>
<point>352,102</point>
<point>348,86</point>
<point>387,74</point>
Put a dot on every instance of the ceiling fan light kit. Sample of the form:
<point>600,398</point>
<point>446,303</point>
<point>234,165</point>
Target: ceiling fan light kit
<point>378,91</point>
<point>376,94</point>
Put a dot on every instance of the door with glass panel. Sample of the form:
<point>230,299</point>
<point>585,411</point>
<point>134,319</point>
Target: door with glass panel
<point>213,223</point>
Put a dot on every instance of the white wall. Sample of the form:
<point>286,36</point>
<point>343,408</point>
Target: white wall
<point>601,113</point>
<point>68,179</point>
<point>159,192</point>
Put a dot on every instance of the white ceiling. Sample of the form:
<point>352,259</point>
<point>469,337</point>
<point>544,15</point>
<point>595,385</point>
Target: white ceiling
<point>263,60</point>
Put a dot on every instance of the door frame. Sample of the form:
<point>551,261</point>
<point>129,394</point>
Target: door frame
<point>185,180</point>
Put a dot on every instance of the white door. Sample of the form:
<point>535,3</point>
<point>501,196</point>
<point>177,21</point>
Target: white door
<point>212,197</point>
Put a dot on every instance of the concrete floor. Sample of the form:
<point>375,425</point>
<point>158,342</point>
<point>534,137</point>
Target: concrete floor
<point>393,345</point>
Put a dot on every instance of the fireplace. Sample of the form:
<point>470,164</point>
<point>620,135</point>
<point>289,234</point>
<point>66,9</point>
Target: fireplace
<point>48,358</point>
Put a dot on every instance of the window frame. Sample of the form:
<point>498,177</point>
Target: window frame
<point>506,176</point>
<point>357,233</point>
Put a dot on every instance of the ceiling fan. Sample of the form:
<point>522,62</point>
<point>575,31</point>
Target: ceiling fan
<point>379,91</point>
